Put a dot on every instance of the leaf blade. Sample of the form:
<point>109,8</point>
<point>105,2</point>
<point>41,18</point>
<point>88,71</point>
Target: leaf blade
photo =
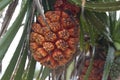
<point>13,61</point>
<point>8,37</point>
<point>101,6</point>
<point>20,70</point>
<point>31,71</point>
<point>108,63</point>
<point>4,3</point>
<point>45,73</point>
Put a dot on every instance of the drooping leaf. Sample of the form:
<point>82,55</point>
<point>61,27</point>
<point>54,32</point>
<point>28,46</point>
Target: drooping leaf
<point>86,77</point>
<point>108,63</point>
<point>31,71</point>
<point>103,17</point>
<point>116,32</point>
<point>13,61</point>
<point>69,70</point>
<point>112,19</point>
<point>21,65</point>
<point>91,33</point>
<point>51,3</point>
<point>48,4</point>
<point>82,25</point>
<point>100,6</point>
<point>10,34</point>
<point>98,25</point>
<point>40,72</point>
<point>45,73</point>
<point>8,16</point>
<point>23,58</point>
<point>96,22</point>
<point>4,3</point>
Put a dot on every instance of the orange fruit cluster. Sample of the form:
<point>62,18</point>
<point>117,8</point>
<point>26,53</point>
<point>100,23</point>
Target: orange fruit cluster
<point>64,5</point>
<point>53,40</point>
<point>96,72</point>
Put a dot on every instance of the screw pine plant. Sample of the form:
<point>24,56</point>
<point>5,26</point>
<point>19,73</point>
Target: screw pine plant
<point>60,35</point>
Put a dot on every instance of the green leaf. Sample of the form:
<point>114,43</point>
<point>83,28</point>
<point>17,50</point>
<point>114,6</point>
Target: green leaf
<point>82,25</point>
<point>51,3</point>
<point>4,3</point>
<point>13,61</point>
<point>99,6</point>
<point>31,70</point>
<point>117,45</point>
<point>95,21</point>
<point>41,69</point>
<point>45,73</point>
<point>98,25</point>
<point>48,4</point>
<point>21,65</point>
<point>90,65</point>
<point>10,34</point>
<point>70,70</point>
<point>102,16</point>
<point>108,63</point>
<point>116,32</point>
<point>91,32</point>
<point>112,19</point>
<point>88,70</point>
<point>7,18</point>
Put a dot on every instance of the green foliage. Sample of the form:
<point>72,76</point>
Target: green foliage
<point>4,3</point>
<point>69,70</point>
<point>90,65</point>
<point>10,34</point>
<point>115,34</point>
<point>108,63</point>
<point>100,6</point>
<point>31,70</point>
<point>45,73</point>
<point>13,61</point>
<point>21,65</point>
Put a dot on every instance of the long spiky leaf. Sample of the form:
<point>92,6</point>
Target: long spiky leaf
<point>99,6</point>
<point>10,34</point>
<point>8,16</point>
<point>69,70</point>
<point>4,3</point>
<point>31,71</point>
<point>108,63</point>
<point>45,73</point>
<point>18,71</point>
<point>86,77</point>
<point>12,63</point>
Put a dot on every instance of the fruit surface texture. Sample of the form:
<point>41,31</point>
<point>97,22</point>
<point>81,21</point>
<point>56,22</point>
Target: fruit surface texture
<point>53,40</point>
